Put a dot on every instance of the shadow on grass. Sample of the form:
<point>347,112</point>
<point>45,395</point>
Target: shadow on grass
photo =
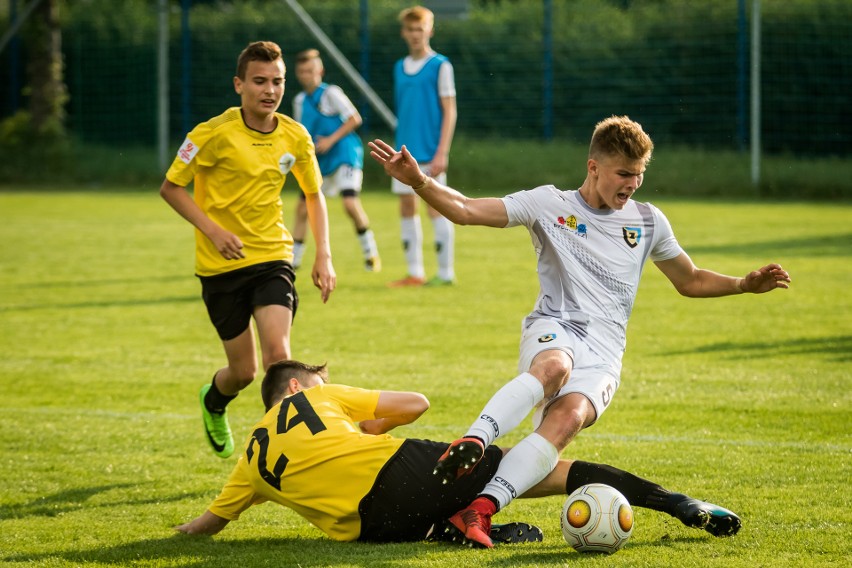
<point>316,551</point>
<point>817,246</point>
<point>838,348</point>
<point>77,498</point>
<point>102,304</point>
<point>88,282</point>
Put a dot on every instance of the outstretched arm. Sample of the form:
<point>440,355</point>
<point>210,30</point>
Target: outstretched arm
<point>696,282</point>
<point>461,210</point>
<point>207,523</point>
<point>395,409</point>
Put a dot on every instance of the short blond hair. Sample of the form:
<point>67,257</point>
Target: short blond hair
<point>418,15</point>
<point>620,136</point>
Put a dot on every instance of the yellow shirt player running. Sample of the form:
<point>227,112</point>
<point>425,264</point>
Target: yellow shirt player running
<point>238,162</point>
<point>323,451</point>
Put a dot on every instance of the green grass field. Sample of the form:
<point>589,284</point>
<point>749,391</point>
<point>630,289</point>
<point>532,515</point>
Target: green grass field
<point>104,342</point>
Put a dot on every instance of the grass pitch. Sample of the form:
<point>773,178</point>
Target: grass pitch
<point>104,343</point>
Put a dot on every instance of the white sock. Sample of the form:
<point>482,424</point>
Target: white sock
<point>445,233</point>
<point>507,408</point>
<point>368,244</point>
<point>412,244</point>
<point>524,466</point>
<point>298,253</point>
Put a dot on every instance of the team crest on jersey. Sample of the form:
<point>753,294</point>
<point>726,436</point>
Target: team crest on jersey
<point>570,223</point>
<point>187,151</point>
<point>547,338</point>
<point>632,235</point>
<point>286,162</point>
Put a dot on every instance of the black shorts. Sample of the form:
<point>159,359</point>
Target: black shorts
<point>407,500</point>
<point>232,296</point>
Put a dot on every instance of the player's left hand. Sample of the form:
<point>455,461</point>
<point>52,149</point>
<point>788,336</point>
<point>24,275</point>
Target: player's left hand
<point>400,165</point>
<point>324,277</point>
<point>764,279</point>
<point>323,145</point>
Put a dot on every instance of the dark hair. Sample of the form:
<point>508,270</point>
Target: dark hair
<point>257,51</point>
<point>278,374</point>
<point>307,55</point>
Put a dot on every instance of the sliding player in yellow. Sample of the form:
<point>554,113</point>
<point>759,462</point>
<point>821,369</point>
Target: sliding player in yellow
<point>238,162</point>
<point>323,451</point>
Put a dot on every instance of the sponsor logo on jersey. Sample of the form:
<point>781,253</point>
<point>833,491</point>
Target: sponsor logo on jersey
<point>547,338</point>
<point>187,151</point>
<point>571,224</point>
<point>632,235</point>
<point>286,162</point>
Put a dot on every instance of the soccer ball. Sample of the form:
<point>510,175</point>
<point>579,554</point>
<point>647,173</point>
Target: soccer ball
<point>596,518</point>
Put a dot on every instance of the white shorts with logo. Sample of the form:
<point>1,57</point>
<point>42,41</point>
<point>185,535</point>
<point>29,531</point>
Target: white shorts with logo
<point>345,177</point>
<point>399,188</point>
<point>592,376</point>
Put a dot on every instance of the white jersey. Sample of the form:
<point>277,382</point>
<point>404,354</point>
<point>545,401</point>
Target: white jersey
<point>590,260</point>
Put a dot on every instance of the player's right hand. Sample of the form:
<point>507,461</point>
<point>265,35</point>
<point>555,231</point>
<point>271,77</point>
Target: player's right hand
<point>228,244</point>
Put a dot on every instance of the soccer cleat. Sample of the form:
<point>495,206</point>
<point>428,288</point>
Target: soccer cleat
<point>437,282</point>
<point>407,282</point>
<point>217,429</point>
<point>509,533</point>
<point>513,533</point>
<point>475,521</point>
<point>373,264</point>
<point>459,459</point>
<point>714,519</point>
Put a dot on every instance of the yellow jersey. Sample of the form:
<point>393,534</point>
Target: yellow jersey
<point>238,174</point>
<point>308,454</point>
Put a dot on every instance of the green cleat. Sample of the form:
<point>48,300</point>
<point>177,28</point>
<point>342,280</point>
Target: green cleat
<point>438,282</point>
<point>217,429</point>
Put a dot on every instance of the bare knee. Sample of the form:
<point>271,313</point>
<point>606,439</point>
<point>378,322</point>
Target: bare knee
<point>552,368</point>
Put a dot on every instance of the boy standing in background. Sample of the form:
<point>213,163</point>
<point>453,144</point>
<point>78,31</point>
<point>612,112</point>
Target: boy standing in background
<point>425,98</point>
<point>331,120</point>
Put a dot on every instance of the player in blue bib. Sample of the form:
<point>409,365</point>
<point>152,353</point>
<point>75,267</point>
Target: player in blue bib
<point>331,119</point>
<point>425,98</point>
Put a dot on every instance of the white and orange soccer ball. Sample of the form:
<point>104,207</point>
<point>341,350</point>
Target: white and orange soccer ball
<point>596,518</point>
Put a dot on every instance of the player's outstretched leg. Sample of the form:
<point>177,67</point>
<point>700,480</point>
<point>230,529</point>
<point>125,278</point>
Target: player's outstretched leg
<point>714,519</point>
<point>217,429</point>
<point>475,521</point>
<point>459,459</point>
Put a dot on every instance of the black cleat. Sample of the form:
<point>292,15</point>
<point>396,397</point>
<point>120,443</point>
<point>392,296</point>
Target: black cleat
<point>509,533</point>
<point>459,459</point>
<point>512,533</point>
<point>714,519</point>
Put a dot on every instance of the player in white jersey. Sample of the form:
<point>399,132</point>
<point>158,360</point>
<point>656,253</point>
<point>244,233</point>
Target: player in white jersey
<point>591,246</point>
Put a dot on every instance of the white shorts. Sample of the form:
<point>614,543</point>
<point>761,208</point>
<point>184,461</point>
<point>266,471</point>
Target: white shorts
<point>592,376</point>
<point>399,188</point>
<point>345,177</point>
